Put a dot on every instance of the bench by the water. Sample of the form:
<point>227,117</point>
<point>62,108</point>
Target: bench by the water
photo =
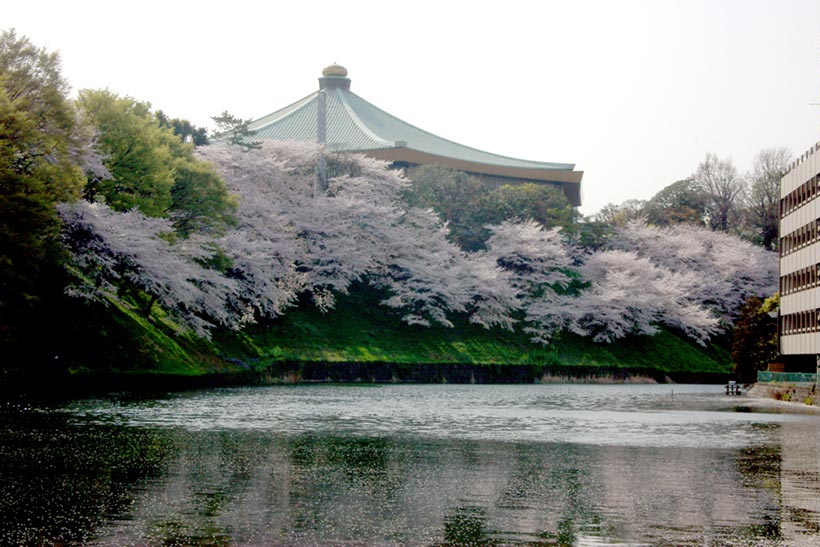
<point>732,388</point>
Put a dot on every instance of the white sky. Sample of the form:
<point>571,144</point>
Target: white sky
<point>635,93</point>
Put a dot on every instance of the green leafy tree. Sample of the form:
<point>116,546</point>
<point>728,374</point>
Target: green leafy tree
<point>622,214</point>
<point>755,338</point>
<point>681,201</point>
<point>469,207</point>
<point>42,152</point>
<point>151,167</point>
<point>200,201</point>
<point>590,235</point>
<point>456,197</point>
<point>543,203</point>
<point>136,154</point>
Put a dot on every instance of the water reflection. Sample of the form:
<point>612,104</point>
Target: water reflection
<point>467,526</point>
<point>101,473</point>
<point>60,484</point>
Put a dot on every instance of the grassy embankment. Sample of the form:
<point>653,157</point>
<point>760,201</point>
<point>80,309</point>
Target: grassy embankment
<point>361,340</point>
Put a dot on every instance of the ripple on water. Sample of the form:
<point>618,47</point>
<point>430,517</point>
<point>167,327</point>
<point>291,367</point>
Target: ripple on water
<point>692,416</point>
<point>403,464</point>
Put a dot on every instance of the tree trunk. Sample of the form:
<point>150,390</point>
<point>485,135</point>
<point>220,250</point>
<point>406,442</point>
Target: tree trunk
<point>147,311</point>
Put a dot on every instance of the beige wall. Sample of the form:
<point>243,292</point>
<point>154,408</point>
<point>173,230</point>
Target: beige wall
<point>802,170</point>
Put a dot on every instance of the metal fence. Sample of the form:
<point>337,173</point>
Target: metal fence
<point>786,377</point>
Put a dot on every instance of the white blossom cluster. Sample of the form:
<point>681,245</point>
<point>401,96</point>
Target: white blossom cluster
<point>728,269</point>
<point>292,238</point>
<point>114,252</point>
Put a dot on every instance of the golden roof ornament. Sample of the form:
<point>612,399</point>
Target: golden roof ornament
<point>334,71</point>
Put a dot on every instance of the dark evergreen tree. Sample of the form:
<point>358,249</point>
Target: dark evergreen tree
<point>456,197</point>
<point>185,130</point>
<point>235,131</point>
<point>755,340</point>
<point>469,207</point>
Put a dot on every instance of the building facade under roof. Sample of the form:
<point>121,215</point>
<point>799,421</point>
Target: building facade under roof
<point>343,121</point>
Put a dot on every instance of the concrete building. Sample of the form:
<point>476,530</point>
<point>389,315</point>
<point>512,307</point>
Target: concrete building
<point>799,328</point>
<point>343,121</point>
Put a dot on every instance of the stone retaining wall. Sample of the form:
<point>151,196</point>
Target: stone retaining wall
<point>788,392</point>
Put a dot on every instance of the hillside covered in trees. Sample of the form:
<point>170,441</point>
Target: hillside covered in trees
<point>131,244</point>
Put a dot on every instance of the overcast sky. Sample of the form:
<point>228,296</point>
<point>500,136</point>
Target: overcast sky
<point>635,93</point>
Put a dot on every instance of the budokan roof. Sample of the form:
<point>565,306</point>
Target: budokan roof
<point>352,124</point>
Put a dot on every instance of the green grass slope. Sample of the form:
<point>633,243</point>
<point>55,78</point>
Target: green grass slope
<point>113,347</point>
<point>359,330</point>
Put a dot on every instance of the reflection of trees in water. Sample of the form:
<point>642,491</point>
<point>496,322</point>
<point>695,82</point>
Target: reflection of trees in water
<point>131,485</point>
<point>61,483</point>
<point>800,480</point>
<point>209,472</point>
<point>467,526</point>
<point>689,494</point>
<point>342,485</point>
<point>361,460</point>
<point>758,470</point>
<point>789,473</point>
<point>551,491</point>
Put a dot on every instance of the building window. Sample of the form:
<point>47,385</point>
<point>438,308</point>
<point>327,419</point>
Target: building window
<point>803,236</point>
<point>800,322</point>
<point>800,196</point>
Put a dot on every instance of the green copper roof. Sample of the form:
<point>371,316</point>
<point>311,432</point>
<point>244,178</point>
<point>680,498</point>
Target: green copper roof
<point>354,124</point>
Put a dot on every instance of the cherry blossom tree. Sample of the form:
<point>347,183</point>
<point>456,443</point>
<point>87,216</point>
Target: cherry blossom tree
<point>684,277</point>
<point>430,277</point>
<point>358,231</point>
<point>538,267</point>
<point>288,241</point>
<point>621,292</point>
<point>115,253</point>
<point>628,294</point>
<point>535,257</point>
<point>729,269</point>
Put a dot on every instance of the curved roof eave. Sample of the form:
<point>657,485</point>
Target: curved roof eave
<point>414,156</point>
<point>367,127</point>
<point>405,134</point>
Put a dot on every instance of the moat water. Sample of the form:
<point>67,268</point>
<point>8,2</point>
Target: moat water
<point>411,465</point>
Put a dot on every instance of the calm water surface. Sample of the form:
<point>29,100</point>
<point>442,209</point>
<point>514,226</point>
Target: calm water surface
<point>411,465</point>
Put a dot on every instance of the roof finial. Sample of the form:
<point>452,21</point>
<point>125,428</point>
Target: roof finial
<point>334,76</point>
<point>334,71</point>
